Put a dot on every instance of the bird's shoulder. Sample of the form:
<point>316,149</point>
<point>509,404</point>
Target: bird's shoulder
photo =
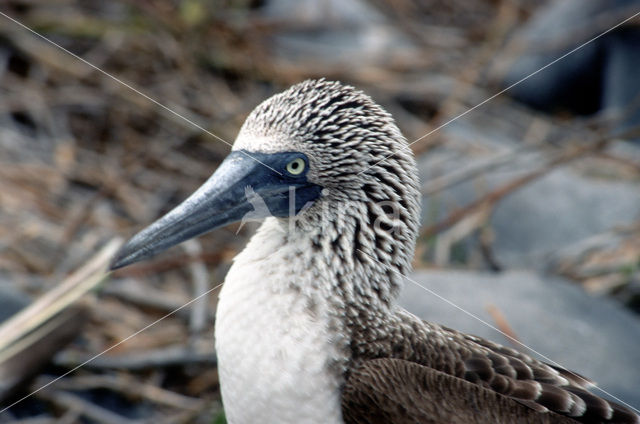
<point>389,390</point>
<point>503,370</point>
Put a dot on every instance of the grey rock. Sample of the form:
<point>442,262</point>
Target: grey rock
<point>557,210</point>
<point>11,301</point>
<point>599,75</point>
<point>537,220</point>
<point>331,31</point>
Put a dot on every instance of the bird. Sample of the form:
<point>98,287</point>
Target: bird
<point>308,328</point>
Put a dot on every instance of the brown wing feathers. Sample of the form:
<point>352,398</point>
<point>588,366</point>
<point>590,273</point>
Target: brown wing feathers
<point>536,384</point>
<point>546,390</point>
<point>396,391</point>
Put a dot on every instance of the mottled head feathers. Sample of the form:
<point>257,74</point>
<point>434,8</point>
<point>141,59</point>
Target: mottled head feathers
<point>358,154</point>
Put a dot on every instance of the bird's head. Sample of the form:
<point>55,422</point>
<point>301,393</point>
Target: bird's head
<point>317,143</point>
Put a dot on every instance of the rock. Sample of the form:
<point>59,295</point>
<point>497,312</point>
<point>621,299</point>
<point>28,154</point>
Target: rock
<point>530,225</point>
<point>600,75</point>
<point>557,210</point>
<point>11,300</point>
<point>337,32</point>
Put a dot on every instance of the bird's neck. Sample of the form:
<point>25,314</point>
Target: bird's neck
<point>292,305</point>
<point>352,253</point>
<point>346,255</point>
<point>335,260</point>
<point>275,334</point>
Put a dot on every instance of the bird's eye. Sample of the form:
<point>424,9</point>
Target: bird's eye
<point>296,166</point>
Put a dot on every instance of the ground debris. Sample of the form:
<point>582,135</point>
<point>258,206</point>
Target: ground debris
<point>87,154</point>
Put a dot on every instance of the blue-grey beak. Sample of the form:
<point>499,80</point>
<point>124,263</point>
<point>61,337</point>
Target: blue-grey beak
<point>222,199</point>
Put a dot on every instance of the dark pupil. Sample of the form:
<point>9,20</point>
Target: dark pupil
<point>295,165</point>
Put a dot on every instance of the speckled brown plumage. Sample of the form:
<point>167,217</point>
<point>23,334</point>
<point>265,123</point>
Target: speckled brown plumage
<point>544,390</point>
<point>424,395</point>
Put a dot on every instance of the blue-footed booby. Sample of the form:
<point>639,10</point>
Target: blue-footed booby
<point>307,327</point>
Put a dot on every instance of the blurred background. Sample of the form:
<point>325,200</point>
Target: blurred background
<point>531,201</point>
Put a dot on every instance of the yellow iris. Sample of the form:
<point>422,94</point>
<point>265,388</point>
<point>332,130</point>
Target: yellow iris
<point>296,166</point>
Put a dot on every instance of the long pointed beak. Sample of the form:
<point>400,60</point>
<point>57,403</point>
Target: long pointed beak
<point>221,200</point>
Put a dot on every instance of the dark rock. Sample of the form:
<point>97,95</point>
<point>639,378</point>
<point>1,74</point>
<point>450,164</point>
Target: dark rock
<point>600,75</point>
